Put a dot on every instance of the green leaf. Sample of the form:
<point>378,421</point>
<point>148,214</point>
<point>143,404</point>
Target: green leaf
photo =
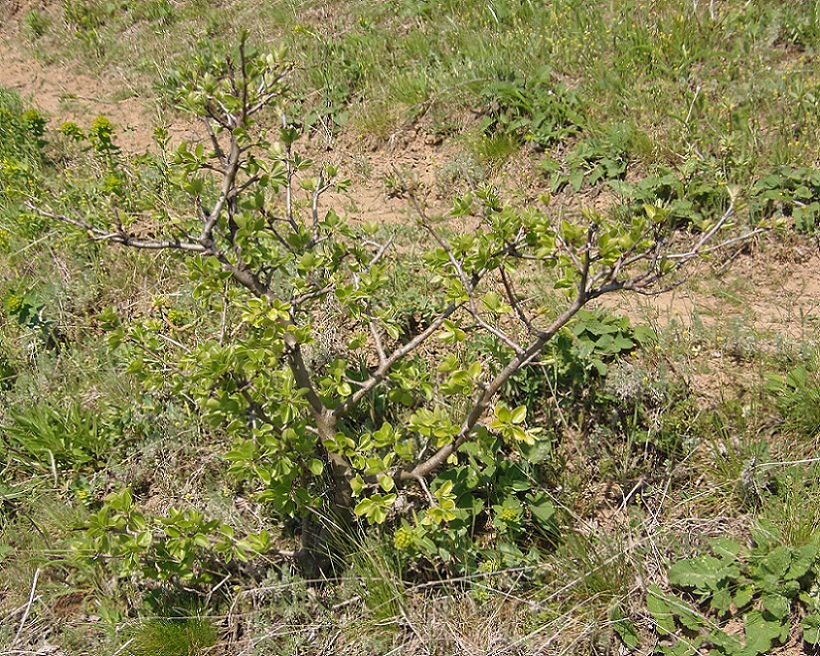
<point>778,605</point>
<point>726,549</point>
<point>202,541</point>
<point>624,628</point>
<point>811,628</point>
<point>702,573</point>
<point>451,332</point>
<point>576,179</point>
<point>519,414</point>
<point>364,507</point>
<point>761,633</point>
<point>144,539</point>
<point>662,610</point>
<point>316,467</point>
<point>726,644</point>
<point>357,485</point>
<point>743,595</point>
<point>644,335</point>
<point>803,560</point>
<point>721,601</point>
<point>503,415</point>
<point>543,511</point>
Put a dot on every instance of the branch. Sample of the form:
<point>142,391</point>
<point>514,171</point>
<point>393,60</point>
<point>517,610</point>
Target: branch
<point>296,301</point>
<point>256,409</point>
<point>568,250</point>
<point>243,67</point>
<point>120,236</point>
<point>425,222</point>
<point>374,331</point>
<point>377,340</point>
<point>694,252</point>
<point>509,341</point>
<point>482,403</point>
<point>685,257</point>
<point>214,141</point>
<point>296,362</point>
<point>266,93</point>
<point>511,296</point>
<point>584,278</point>
<point>232,168</point>
<point>382,249</point>
<point>384,368</point>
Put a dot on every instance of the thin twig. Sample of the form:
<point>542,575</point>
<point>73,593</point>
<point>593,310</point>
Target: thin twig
<point>28,607</point>
<point>124,647</point>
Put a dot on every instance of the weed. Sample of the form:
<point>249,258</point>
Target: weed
<point>362,167</point>
<point>690,197</point>
<point>763,586</point>
<point>45,439</point>
<point>461,173</point>
<point>401,182</point>
<point>161,12</point>
<point>376,573</point>
<point>192,636</point>
<point>681,108</point>
<point>795,504</point>
<point>21,142</point>
<point>377,120</point>
<point>540,110</point>
<point>793,192</point>
<point>493,151</point>
<point>595,159</point>
<point>36,24</point>
<point>799,399</point>
<point>735,449</point>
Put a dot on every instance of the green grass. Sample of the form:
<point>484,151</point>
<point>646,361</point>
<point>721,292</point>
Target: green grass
<point>738,88</point>
<point>172,637</point>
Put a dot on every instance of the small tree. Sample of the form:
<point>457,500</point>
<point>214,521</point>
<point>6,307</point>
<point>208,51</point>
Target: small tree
<point>302,433</point>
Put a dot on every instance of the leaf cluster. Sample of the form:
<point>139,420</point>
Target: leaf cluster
<point>538,109</point>
<point>768,587</point>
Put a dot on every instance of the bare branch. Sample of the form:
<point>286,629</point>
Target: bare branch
<point>382,249</point>
<point>216,117</point>
<point>469,285</point>
<point>694,252</point>
<point>582,281</point>
<point>425,222</point>
<point>301,373</point>
<point>228,182</point>
<point>250,181</point>
<point>120,236</point>
<point>265,96</point>
<point>296,301</point>
<point>243,67</point>
<point>377,340</point>
<point>509,341</point>
<point>568,250</point>
<point>685,257</point>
